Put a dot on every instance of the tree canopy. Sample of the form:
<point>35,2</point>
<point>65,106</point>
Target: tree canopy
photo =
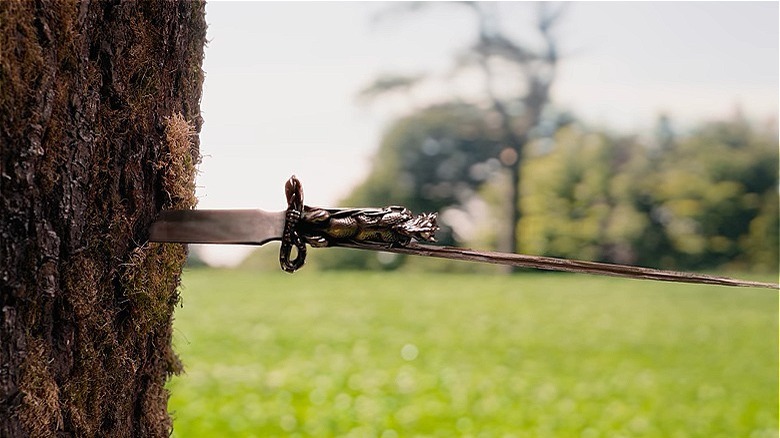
<point>702,200</point>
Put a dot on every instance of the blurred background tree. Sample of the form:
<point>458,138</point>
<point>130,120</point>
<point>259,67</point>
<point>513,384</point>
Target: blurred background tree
<point>433,160</point>
<point>516,78</point>
<point>701,200</point>
<point>503,159</point>
<point>577,196</point>
<point>711,198</point>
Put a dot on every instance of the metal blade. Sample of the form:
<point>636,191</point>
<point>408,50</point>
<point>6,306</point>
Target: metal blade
<point>249,227</point>
<point>556,264</point>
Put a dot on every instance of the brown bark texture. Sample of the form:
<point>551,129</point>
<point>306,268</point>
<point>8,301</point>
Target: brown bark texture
<point>99,115</point>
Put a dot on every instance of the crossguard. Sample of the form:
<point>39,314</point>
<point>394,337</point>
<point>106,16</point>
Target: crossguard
<point>293,189</point>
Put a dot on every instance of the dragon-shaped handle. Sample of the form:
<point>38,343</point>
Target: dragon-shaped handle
<point>319,227</point>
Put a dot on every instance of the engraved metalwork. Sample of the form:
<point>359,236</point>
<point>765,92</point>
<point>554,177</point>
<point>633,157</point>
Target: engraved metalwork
<point>389,226</point>
<point>371,227</point>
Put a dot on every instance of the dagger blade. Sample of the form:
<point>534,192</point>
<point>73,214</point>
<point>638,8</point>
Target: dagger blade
<point>247,227</point>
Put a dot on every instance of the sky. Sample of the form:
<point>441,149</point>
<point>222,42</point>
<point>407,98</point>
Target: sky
<point>282,80</point>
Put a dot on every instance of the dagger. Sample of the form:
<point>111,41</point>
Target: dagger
<point>390,229</point>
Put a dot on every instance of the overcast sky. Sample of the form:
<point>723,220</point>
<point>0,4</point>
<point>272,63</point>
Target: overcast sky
<point>282,78</point>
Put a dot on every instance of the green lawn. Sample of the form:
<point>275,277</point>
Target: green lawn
<point>534,355</point>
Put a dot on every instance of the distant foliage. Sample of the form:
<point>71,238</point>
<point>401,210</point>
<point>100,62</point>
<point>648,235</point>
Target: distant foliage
<point>704,200</point>
<point>578,197</point>
<point>430,161</point>
<point>707,199</point>
<point>713,197</point>
<point>433,159</point>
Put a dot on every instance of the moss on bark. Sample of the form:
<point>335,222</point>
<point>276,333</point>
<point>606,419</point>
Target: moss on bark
<point>99,111</point>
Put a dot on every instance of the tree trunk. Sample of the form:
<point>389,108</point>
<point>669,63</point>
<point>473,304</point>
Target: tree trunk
<point>99,114</point>
<point>514,209</point>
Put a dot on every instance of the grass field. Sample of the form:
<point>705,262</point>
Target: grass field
<point>534,355</point>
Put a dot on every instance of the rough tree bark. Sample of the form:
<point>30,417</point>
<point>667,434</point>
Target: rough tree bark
<point>99,114</point>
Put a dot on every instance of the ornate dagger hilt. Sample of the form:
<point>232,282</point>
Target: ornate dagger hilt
<point>369,227</point>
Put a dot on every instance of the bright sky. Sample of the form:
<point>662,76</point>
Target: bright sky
<point>282,78</point>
